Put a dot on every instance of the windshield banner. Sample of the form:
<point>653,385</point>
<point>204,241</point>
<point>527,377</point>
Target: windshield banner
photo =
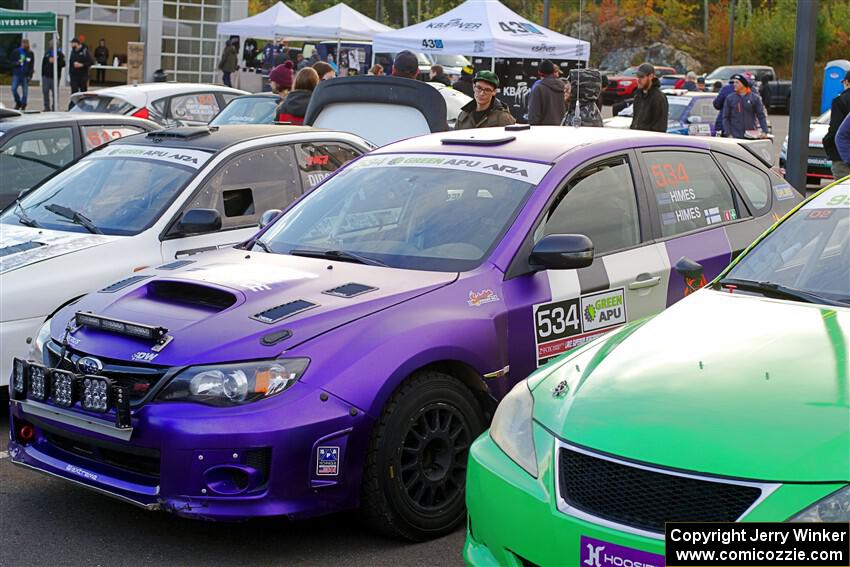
<point>510,168</point>
<point>838,196</point>
<point>193,158</point>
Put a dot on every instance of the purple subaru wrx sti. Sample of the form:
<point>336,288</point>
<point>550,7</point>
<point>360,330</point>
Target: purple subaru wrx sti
<point>350,352</point>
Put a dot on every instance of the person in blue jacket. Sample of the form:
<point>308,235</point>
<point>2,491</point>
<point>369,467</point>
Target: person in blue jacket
<point>718,101</point>
<point>23,66</point>
<point>842,140</point>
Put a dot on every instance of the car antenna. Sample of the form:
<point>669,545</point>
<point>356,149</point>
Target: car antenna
<point>577,115</point>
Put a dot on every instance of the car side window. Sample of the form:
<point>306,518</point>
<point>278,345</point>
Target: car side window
<point>195,107</point>
<point>98,134</point>
<point>600,203</point>
<point>249,184</point>
<point>318,160</point>
<point>754,183</point>
<point>690,191</point>
<point>31,156</point>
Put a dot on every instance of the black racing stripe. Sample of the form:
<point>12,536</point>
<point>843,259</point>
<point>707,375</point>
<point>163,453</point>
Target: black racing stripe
<point>594,277</point>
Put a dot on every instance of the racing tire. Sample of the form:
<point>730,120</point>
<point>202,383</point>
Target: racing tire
<point>414,480</point>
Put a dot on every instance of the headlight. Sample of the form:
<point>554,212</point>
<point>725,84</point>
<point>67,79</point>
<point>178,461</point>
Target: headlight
<point>833,508</point>
<point>624,83</point>
<point>511,428</point>
<point>234,384</point>
<point>37,347</point>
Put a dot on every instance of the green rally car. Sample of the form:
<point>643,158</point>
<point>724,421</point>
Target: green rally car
<point>733,405</point>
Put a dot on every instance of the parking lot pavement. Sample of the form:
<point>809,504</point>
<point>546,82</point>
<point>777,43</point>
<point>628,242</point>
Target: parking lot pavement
<point>49,522</point>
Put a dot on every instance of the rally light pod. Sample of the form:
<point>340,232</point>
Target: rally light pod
<point>63,388</point>
<point>96,393</point>
<point>18,385</point>
<point>38,384</point>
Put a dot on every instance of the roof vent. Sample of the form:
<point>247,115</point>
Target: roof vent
<point>474,141</point>
<point>281,312</point>
<point>175,265</point>
<point>119,285</point>
<point>349,290</point>
<point>183,133</point>
<point>517,127</point>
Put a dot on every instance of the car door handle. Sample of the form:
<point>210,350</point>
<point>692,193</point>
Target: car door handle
<point>643,284</point>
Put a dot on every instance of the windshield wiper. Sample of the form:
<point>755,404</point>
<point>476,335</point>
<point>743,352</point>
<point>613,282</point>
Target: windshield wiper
<point>778,290</point>
<point>74,216</point>
<point>340,255</point>
<point>23,217</point>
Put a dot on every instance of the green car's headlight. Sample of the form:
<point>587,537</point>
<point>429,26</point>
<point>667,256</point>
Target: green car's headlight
<point>234,384</point>
<point>833,508</point>
<point>512,430</point>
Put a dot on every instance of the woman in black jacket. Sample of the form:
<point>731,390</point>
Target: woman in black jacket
<point>294,106</point>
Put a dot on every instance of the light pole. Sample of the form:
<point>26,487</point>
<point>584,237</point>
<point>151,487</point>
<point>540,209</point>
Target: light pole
<point>802,70</point>
<point>731,31</point>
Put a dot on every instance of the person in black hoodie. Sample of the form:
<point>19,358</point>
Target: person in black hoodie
<point>650,110</point>
<point>438,75</point>
<point>80,62</point>
<point>294,106</point>
<point>838,112</point>
<point>101,55</point>
<point>546,103</point>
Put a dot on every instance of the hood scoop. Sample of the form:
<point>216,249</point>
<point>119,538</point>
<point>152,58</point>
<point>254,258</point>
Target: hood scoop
<point>175,265</point>
<point>22,247</point>
<point>281,312</point>
<point>190,294</point>
<point>349,290</point>
<point>121,284</point>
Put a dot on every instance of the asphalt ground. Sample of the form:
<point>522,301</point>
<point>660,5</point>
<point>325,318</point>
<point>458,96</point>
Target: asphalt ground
<point>48,522</point>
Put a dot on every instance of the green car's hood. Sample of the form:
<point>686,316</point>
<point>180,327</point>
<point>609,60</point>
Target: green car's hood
<point>726,384</point>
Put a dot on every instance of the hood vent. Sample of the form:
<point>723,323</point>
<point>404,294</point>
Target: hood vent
<point>175,265</point>
<point>191,294</point>
<point>349,290</point>
<point>281,312</point>
<point>123,283</point>
<point>22,247</point>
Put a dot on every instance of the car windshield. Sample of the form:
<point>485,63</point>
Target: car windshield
<point>676,108</point>
<point>247,110</point>
<point>425,212</point>
<point>451,60</point>
<point>120,189</point>
<point>809,252</point>
<point>98,103</point>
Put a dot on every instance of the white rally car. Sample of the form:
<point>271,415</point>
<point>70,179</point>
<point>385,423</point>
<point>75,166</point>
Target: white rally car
<point>147,200</point>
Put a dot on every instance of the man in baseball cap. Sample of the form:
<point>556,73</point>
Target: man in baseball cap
<point>546,104</point>
<point>650,107</point>
<point>406,65</point>
<point>484,110</point>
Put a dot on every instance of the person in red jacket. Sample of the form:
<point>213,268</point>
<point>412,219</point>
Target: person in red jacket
<point>294,106</point>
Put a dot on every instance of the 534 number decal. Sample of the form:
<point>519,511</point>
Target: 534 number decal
<point>557,320</point>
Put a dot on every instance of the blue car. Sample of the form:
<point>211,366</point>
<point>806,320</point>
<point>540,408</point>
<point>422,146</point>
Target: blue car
<point>688,112</point>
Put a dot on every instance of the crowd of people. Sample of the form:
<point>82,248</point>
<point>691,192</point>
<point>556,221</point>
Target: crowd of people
<point>80,61</point>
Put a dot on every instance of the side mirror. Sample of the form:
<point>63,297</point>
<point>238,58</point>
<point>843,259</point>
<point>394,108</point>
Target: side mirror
<point>268,217</point>
<point>562,252</point>
<point>694,119</point>
<point>692,271</point>
<point>200,221</point>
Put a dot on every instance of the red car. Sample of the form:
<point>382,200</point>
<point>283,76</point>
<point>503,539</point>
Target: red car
<point>622,87</point>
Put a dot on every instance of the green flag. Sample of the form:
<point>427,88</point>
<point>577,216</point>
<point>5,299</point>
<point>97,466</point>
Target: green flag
<point>15,21</point>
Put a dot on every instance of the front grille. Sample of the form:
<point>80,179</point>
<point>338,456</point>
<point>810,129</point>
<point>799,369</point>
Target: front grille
<point>143,462</point>
<point>139,379</point>
<point>645,499</point>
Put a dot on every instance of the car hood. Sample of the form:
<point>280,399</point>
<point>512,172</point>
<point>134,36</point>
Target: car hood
<point>721,384</point>
<point>21,246</point>
<point>216,308</point>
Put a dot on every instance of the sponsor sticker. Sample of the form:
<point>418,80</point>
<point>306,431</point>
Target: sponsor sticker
<point>513,169</point>
<point>479,298</point>
<point>783,191</point>
<point>598,553</point>
<point>193,158</point>
<point>454,23</point>
<point>819,214</point>
<point>80,472</point>
<point>564,325</point>
<point>327,461</point>
<point>432,43</point>
<point>143,356</point>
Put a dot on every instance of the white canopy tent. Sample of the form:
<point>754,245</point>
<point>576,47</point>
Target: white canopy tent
<point>483,28</point>
<point>337,22</point>
<point>265,25</point>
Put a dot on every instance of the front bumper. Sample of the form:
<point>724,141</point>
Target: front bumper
<point>535,532</point>
<point>205,462</point>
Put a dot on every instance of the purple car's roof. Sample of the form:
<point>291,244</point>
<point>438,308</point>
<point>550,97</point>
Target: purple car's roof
<point>538,143</point>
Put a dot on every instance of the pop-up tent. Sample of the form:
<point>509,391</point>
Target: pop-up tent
<point>484,28</point>
<point>16,21</point>
<point>337,22</point>
<point>265,25</point>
